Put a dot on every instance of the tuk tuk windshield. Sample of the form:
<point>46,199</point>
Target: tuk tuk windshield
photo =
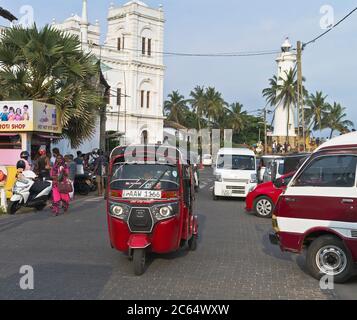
<point>145,177</point>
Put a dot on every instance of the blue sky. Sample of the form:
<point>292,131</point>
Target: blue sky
<point>329,65</point>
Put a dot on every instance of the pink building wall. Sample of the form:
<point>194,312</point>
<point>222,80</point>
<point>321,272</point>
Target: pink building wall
<point>9,157</point>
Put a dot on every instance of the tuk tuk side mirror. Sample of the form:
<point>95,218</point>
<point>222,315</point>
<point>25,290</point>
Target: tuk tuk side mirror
<point>279,183</point>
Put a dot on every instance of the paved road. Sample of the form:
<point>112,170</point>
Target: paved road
<point>72,259</point>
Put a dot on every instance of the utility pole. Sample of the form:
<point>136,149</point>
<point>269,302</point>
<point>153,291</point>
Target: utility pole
<point>265,131</point>
<point>301,111</point>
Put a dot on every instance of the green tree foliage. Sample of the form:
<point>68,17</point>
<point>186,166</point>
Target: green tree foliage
<point>48,65</point>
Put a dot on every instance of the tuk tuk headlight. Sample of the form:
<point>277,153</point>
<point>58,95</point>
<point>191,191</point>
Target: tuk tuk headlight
<point>120,211</point>
<point>165,211</point>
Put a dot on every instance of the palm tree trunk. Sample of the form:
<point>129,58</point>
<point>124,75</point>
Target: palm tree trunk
<point>287,126</point>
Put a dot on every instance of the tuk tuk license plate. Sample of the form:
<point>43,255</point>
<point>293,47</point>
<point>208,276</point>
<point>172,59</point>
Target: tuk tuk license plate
<point>142,194</point>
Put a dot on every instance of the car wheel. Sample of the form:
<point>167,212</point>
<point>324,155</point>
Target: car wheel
<point>264,207</point>
<point>327,255</point>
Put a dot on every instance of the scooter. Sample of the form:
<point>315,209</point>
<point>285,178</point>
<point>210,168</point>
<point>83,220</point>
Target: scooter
<point>30,193</point>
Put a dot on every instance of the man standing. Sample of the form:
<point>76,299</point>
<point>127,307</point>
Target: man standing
<point>99,171</point>
<point>79,163</point>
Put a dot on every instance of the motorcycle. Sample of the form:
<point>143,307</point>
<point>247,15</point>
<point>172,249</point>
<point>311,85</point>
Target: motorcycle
<point>29,192</point>
<point>85,183</point>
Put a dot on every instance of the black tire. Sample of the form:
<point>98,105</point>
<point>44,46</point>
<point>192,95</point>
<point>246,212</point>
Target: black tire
<point>264,207</point>
<point>192,243</point>
<point>337,251</point>
<point>83,189</point>
<point>40,207</point>
<point>13,207</point>
<point>139,261</point>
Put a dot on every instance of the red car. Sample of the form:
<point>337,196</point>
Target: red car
<point>263,198</point>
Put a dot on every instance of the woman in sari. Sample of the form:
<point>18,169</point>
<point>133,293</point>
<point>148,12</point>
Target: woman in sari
<point>59,174</point>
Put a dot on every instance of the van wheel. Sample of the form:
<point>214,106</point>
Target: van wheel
<point>327,255</point>
<point>13,207</point>
<point>139,260</point>
<point>263,207</point>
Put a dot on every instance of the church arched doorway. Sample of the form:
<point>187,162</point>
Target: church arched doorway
<point>144,137</point>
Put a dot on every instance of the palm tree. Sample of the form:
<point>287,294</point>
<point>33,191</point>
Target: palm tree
<point>198,103</point>
<point>270,93</point>
<point>237,117</point>
<point>335,119</point>
<point>317,110</point>
<point>175,107</point>
<point>49,66</point>
<point>287,94</point>
<point>7,14</point>
<point>214,103</point>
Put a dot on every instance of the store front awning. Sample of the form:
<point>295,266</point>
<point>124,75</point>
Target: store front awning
<point>47,136</point>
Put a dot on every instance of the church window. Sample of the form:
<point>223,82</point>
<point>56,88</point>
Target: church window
<point>119,97</point>
<point>149,47</point>
<point>143,49</point>
<point>119,44</point>
<point>148,99</point>
<point>142,98</point>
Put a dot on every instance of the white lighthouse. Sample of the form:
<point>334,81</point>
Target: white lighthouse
<point>286,62</point>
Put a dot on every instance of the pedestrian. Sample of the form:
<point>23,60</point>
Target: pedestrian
<point>72,172</point>
<point>25,157</point>
<point>61,185</point>
<point>274,147</point>
<point>79,163</point>
<point>99,171</point>
<point>43,165</point>
<point>55,153</point>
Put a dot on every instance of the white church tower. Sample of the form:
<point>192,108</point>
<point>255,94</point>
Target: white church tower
<point>133,53</point>
<point>132,64</point>
<point>286,62</point>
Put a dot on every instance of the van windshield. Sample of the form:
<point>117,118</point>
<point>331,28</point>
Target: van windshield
<point>236,162</point>
<point>144,176</point>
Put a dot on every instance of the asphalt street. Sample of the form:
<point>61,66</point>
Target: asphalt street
<point>72,259</point>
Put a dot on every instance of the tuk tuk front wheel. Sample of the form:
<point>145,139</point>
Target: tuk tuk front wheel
<point>139,260</point>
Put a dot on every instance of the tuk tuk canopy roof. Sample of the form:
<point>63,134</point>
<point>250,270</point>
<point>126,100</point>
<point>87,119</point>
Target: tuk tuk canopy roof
<point>138,153</point>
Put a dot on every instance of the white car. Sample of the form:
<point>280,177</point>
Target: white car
<point>207,160</point>
<point>236,173</point>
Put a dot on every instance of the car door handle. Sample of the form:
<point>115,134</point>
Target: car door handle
<point>348,201</point>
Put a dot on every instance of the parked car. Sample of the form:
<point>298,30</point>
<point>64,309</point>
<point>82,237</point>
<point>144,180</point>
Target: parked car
<point>318,210</point>
<point>283,165</point>
<point>207,160</point>
<point>263,198</point>
<point>235,171</point>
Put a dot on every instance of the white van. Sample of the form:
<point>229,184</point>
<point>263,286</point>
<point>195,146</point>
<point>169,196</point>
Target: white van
<point>236,173</point>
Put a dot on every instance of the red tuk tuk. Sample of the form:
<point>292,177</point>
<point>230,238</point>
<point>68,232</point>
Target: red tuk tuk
<point>150,202</point>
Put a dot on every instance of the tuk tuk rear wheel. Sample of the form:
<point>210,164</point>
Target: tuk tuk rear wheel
<point>139,260</point>
<point>192,243</point>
